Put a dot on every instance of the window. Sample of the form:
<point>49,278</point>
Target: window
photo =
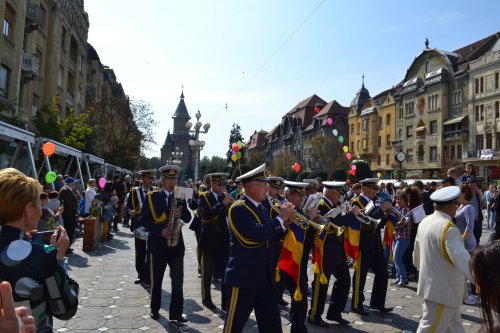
<point>6,28</point>
<point>476,86</point>
<point>357,146</point>
<point>481,112</point>
<point>452,152</point>
<point>388,140</point>
<point>433,154</point>
<point>409,155</point>
<point>365,143</point>
<point>4,81</point>
<point>400,113</point>
<point>456,97</point>
<point>428,67</point>
<point>379,141</point>
<point>409,132</point>
<point>400,134</point>
<point>379,122</point>
<point>60,76</point>
<point>433,126</point>
<point>388,120</point>
<point>479,142</point>
<point>379,160</point>
<point>489,141</point>
<point>352,128</point>
<point>387,159</point>
<point>359,126</point>
<point>496,83</point>
<point>63,38</point>
<point>497,111</point>
<point>420,153</point>
<point>459,152</point>
<point>481,85</point>
<point>352,145</point>
<point>365,124</point>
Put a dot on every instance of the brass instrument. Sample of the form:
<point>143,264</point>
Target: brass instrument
<point>174,224</point>
<point>332,213</point>
<point>362,217</point>
<point>300,220</point>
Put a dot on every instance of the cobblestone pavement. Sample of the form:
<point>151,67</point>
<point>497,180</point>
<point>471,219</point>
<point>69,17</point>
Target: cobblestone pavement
<point>111,302</point>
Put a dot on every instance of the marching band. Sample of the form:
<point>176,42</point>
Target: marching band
<point>261,243</point>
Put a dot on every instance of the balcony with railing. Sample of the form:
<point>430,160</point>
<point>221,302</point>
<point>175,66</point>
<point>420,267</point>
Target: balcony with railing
<point>29,67</point>
<point>483,154</point>
<point>457,134</point>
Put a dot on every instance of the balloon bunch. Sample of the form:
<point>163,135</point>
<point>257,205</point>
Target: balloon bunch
<point>48,150</point>
<point>236,156</point>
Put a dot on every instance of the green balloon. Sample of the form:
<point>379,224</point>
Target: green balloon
<point>50,177</point>
<point>341,139</point>
<point>238,155</point>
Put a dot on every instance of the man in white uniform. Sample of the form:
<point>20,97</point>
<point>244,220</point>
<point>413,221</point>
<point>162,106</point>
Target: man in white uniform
<point>443,264</point>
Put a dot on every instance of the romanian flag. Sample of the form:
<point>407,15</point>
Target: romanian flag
<point>291,255</point>
<point>317,257</point>
<point>351,239</point>
<point>389,234</point>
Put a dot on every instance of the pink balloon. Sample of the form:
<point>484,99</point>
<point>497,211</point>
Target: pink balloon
<point>348,156</point>
<point>102,182</point>
<point>329,121</point>
<point>353,167</point>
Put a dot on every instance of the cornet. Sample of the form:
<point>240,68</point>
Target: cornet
<point>300,220</point>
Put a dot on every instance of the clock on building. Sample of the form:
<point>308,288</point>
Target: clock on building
<point>400,156</point>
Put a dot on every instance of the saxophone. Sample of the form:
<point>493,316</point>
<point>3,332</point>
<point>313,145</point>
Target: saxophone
<point>173,224</point>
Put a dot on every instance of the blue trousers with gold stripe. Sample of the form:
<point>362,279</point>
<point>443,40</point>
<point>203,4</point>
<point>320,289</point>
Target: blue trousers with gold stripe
<point>158,265</point>
<point>241,303</point>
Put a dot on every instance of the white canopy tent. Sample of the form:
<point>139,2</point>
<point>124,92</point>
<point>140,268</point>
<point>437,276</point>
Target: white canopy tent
<point>19,137</point>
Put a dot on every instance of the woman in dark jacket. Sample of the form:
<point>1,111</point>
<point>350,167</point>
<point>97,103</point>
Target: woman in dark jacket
<point>36,272</point>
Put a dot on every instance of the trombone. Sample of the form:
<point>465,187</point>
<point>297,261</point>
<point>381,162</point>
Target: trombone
<point>300,220</point>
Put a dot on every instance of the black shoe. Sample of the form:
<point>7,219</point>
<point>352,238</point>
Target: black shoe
<point>209,304</point>
<point>382,309</point>
<point>137,281</point>
<point>360,310</point>
<point>154,315</point>
<point>318,322</point>
<point>338,318</point>
<point>282,302</point>
<point>179,319</point>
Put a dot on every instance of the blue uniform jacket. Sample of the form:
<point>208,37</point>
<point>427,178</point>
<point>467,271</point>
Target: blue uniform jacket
<point>154,217</point>
<point>251,257</point>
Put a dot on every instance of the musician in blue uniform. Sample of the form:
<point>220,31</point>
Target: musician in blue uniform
<point>214,236</point>
<point>134,205</point>
<point>333,260</point>
<point>298,310</point>
<point>249,275</point>
<point>371,253</point>
<point>158,215</point>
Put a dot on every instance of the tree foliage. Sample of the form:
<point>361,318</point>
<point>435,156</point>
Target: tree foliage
<point>282,164</point>
<point>73,130</point>
<point>123,130</point>
<point>211,165</point>
<point>257,157</point>
<point>235,136</point>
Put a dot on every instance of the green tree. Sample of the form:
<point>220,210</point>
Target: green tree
<point>235,136</point>
<point>282,164</point>
<point>211,165</point>
<point>8,112</point>
<point>257,158</point>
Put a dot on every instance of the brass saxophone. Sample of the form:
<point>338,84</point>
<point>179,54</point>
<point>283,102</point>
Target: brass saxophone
<point>173,224</point>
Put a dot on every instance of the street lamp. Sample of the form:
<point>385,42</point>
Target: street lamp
<point>177,156</point>
<point>196,144</point>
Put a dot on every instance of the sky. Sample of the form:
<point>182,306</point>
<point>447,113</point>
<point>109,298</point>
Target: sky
<point>262,57</point>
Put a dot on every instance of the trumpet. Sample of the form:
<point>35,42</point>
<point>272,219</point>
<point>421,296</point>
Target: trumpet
<point>300,220</point>
<point>329,224</point>
<point>362,217</point>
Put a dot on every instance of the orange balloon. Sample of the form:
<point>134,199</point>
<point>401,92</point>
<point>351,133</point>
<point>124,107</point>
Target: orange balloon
<point>48,148</point>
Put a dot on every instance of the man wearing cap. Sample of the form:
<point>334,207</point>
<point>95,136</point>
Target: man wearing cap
<point>334,260</point>
<point>69,201</point>
<point>249,273</point>
<point>443,264</point>
<point>298,311</point>
<point>134,205</point>
<point>155,216</point>
<point>214,236</point>
<point>312,187</point>
<point>370,253</point>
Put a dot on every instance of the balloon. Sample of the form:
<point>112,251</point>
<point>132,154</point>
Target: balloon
<point>341,139</point>
<point>240,144</point>
<point>234,158</point>
<point>352,172</point>
<point>335,132</point>
<point>102,182</point>
<point>346,149</point>
<point>296,167</point>
<point>329,121</point>
<point>48,148</point>
<point>50,177</point>
<point>238,155</point>
<point>234,145</point>
<point>348,155</point>
<point>316,109</point>
<point>236,149</point>
<point>379,175</point>
<point>347,181</point>
<point>353,167</point>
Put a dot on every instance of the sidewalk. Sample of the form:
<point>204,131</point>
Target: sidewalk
<point>111,302</point>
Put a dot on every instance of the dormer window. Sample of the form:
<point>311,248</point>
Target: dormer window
<point>427,66</point>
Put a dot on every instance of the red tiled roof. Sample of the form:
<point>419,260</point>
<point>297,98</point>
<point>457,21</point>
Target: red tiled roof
<point>257,139</point>
<point>472,51</point>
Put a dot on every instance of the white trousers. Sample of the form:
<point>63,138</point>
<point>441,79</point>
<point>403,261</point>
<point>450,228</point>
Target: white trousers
<point>440,318</point>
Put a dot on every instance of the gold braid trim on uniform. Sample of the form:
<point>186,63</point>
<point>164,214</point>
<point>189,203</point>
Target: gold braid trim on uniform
<point>443,242</point>
<point>232,308</point>
<point>437,318</point>
<point>205,196</point>
<point>358,278</point>
<point>157,220</point>
<point>245,242</point>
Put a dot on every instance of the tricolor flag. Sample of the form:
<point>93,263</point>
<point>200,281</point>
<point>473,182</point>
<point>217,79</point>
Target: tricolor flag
<point>291,255</point>
<point>351,239</point>
<point>317,257</point>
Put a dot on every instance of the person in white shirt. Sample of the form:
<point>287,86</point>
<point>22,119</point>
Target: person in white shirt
<point>90,193</point>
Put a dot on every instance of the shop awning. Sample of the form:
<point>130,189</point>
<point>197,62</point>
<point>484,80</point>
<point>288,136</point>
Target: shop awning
<point>454,120</point>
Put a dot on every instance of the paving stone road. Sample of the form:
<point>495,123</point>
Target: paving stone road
<point>111,302</point>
